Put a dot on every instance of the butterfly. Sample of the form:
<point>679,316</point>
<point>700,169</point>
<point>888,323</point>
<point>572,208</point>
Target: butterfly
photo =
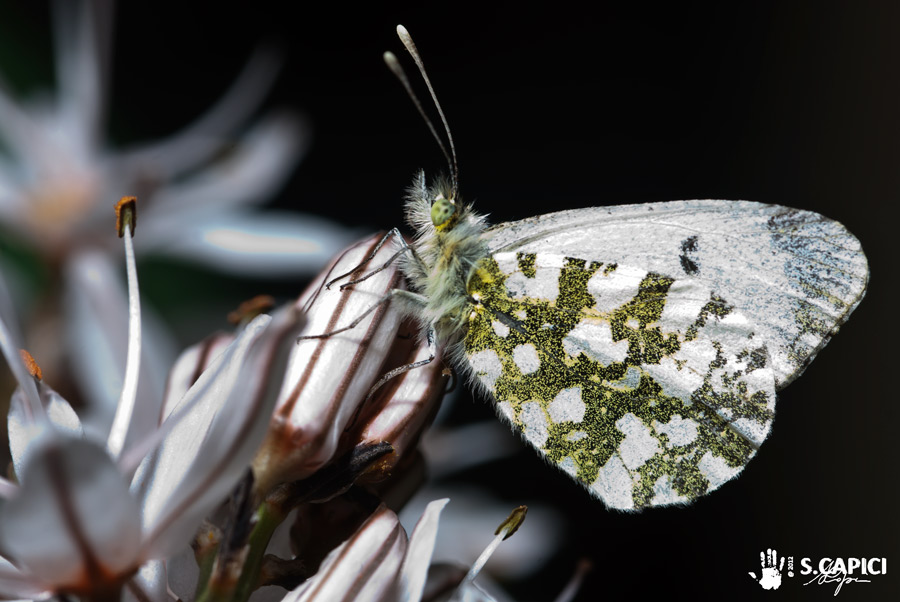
<point>639,348</point>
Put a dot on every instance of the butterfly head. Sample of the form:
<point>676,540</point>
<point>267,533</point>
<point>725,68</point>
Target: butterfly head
<point>443,212</point>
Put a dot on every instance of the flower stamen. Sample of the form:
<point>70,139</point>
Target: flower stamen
<point>126,217</point>
<point>251,308</point>
<point>31,364</point>
<point>506,529</point>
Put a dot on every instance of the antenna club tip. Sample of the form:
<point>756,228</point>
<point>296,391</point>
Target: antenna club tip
<point>401,31</point>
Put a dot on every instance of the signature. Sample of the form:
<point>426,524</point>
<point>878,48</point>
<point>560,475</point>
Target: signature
<point>831,575</point>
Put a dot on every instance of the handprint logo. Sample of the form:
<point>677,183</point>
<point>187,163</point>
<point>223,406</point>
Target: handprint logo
<point>771,575</point>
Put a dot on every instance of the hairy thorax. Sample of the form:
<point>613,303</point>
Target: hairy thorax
<point>448,259</point>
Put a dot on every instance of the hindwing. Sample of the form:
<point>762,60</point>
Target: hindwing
<point>646,389</point>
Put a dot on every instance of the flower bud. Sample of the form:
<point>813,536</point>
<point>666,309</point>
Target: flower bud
<point>400,411</point>
<point>329,376</point>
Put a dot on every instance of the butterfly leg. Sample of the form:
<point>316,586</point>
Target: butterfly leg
<point>396,292</point>
<point>432,353</point>
<point>404,248</point>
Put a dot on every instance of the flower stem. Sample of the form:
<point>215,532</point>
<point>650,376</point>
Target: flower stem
<point>269,515</point>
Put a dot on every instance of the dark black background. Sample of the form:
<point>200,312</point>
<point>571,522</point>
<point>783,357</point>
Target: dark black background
<point>563,106</point>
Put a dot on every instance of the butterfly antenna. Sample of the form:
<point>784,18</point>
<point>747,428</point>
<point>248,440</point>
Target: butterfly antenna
<point>398,71</point>
<point>394,65</point>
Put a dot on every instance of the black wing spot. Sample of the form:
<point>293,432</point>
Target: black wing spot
<point>688,247</point>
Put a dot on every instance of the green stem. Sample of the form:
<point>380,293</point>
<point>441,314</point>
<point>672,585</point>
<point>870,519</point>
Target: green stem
<point>206,562</point>
<point>269,515</point>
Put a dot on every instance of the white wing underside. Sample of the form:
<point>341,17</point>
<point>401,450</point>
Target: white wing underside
<point>796,274</point>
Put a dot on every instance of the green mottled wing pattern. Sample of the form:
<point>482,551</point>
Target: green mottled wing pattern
<point>646,389</point>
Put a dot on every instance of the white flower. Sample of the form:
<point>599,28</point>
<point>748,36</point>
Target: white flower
<point>328,430</point>
<point>325,407</point>
<point>199,203</point>
<point>378,563</point>
<point>473,512</point>
<point>196,200</point>
<point>76,525</point>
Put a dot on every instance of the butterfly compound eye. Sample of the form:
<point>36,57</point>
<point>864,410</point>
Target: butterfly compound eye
<point>442,212</point>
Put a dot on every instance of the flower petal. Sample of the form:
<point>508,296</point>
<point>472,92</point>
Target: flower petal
<point>7,311</point>
<point>327,378</point>
<point>192,362</point>
<point>399,412</point>
<point>204,138</point>
<point>81,35</point>
<point>159,476</point>
<point>256,167</point>
<point>215,432</point>
<point>182,573</point>
<point>271,243</point>
<point>23,135</point>
<point>15,584</point>
<point>363,568</point>
<point>472,519</point>
<point>24,431</point>
<point>74,521</point>
<point>10,197</point>
<point>149,584</point>
<point>418,556</point>
<point>10,344</point>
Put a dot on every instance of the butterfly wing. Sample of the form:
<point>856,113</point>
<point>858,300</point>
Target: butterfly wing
<point>645,389</point>
<point>795,274</point>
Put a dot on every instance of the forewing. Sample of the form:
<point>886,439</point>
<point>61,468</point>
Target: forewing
<point>645,389</point>
<point>796,274</point>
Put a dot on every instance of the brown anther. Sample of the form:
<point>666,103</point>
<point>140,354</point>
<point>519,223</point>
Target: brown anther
<point>251,308</point>
<point>30,364</point>
<point>126,213</point>
<point>512,522</point>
